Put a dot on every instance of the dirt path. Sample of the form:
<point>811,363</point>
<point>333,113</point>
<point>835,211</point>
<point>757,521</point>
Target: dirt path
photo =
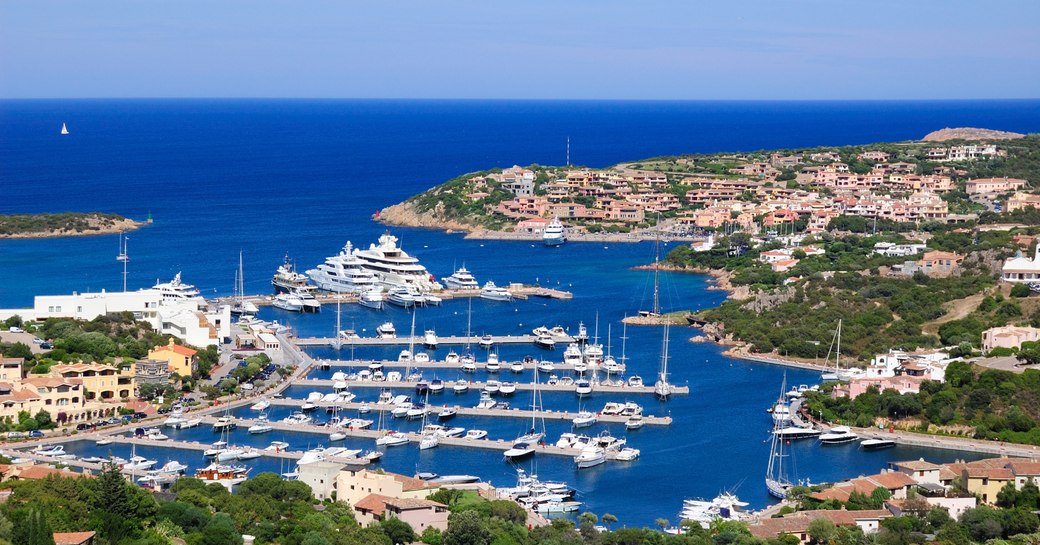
<point>955,310</point>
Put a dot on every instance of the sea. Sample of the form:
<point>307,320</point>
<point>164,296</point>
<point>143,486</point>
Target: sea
<point>268,178</point>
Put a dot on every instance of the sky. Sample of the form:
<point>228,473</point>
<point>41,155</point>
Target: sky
<point>537,49</point>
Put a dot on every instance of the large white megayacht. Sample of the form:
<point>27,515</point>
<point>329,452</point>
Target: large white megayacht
<point>394,268</point>
<point>343,273</point>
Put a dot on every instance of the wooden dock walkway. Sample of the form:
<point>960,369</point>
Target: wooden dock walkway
<point>520,387</point>
<point>418,340</point>
<point>649,420</point>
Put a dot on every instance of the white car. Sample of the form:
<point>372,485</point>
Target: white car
<point>16,330</point>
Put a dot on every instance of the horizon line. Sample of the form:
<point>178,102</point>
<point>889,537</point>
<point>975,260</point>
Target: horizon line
<point>520,99</point>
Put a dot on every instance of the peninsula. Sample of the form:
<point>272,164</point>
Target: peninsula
<point>65,224</point>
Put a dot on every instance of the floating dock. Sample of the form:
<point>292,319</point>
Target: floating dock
<point>520,387</point>
<point>417,341</point>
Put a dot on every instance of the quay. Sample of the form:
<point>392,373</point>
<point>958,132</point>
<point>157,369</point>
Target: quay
<point>438,364</point>
<point>519,291</point>
<point>473,411</point>
<point>418,340</point>
<point>600,387</point>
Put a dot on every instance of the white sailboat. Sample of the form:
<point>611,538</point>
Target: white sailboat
<point>241,306</point>
<point>839,373</point>
<point>122,256</point>
<point>777,483</point>
<point>661,388</point>
<point>64,129</point>
<point>534,435</point>
<point>656,309</point>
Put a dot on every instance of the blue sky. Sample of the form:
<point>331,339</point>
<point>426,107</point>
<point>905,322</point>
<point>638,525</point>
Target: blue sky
<point>735,49</point>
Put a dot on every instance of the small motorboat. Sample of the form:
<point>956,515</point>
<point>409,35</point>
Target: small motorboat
<point>460,387</point>
<point>838,435</point>
<point>634,422</point>
<point>877,444</point>
<point>584,419</point>
<point>447,412</point>
<point>518,451</point>
<point>476,434</point>
<point>507,388</point>
<point>627,454</point>
<point>337,436</point>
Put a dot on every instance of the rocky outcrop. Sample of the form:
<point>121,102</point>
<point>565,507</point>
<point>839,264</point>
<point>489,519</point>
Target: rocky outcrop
<point>406,215</point>
<point>765,300</point>
<point>970,133</point>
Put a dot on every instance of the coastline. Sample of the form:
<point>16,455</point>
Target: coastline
<point>110,228</point>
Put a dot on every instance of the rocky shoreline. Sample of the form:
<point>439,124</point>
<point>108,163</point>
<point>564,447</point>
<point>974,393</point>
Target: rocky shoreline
<point>97,226</point>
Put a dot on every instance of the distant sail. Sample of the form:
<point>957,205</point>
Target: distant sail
<point>64,129</point>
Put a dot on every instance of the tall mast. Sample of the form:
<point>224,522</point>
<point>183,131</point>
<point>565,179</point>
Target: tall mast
<point>241,281</point>
<point>337,343</point>
<point>657,267</point>
<point>469,323</point>
<point>123,256</point>
<point>411,345</point>
<point>837,354</point>
<point>568,151</point>
<point>608,339</point>
<point>624,338</point>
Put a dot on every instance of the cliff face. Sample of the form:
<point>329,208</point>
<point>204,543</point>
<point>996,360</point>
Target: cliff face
<point>406,215</point>
<point>969,133</point>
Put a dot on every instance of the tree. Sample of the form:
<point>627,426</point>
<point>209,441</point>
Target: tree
<point>397,530</point>
<point>431,536</point>
<point>1007,496</point>
<point>33,529</point>
<point>43,420</point>
<point>466,528</point>
<point>1020,290</point>
<point>609,519</point>
<point>821,531</point>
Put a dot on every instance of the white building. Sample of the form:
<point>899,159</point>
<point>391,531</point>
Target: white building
<point>892,249</point>
<point>1022,269</point>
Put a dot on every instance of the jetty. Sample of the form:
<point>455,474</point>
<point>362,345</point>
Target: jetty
<point>601,387</point>
<point>474,411</point>
<point>505,369</point>
<point>519,292</point>
<point>418,340</point>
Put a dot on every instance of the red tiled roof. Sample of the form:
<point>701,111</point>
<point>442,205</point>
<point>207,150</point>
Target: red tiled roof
<point>998,473</point>
<point>42,472</point>
<point>410,484</point>
<point>797,523</point>
<point>402,504</point>
<point>1024,467</point>
<point>373,503</point>
<point>73,538</point>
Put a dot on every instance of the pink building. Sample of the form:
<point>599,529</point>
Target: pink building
<point>857,386</point>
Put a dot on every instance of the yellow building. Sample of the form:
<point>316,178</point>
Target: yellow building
<point>986,482</point>
<point>102,382</point>
<point>181,358</point>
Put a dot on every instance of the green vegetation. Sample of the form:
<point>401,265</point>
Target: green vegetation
<point>75,222</point>
<point>987,404</point>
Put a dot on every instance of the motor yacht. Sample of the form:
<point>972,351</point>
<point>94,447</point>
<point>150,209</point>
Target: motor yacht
<point>590,456</point>
<point>288,301</point>
<point>343,273</point>
<point>387,331</point>
<point>430,339</point>
<point>554,234</point>
<point>393,267</point>
<point>476,434</point>
<point>492,292</point>
<point>545,341</point>
<point>877,444</point>
<point>627,454</point>
<point>372,298</point>
<point>486,342</point>
<point>546,366</point>
<point>507,388</point>
<point>635,381</point>
<point>838,435</point>
<point>402,297</point>
<point>584,419</point>
<point>392,439</point>
<point>582,387</point>
<point>261,405</point>
<point>518,451</point>
<point>634,422</point>
<point>796,432</point>
<point>461,279</point>
<point>460,386</point>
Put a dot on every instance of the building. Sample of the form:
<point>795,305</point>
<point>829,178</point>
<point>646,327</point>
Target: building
<point>1021,201</point>
<point>74,538</point>
<point>1021,269</point>
<point>10,369</point>
<point>419,513</point>
<point>1008,337</point>
<point>897,484</point>
<point>939,263</point>
<point>352,486</point>
<point>181,360</point>
<point>904,384</point>
<point>151,371</point>
<point>321,477</point>
<point>518,180</point>
<point>993,185</point>
<point>797,524</point>
<point>876,156</point>
<point>102,382</point>
<point>892,249</point>
<point>919,470</point>
<point>64,398</point>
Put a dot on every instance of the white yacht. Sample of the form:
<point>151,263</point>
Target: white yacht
<point>590,456</point>
<point>288,301</point>
<point>554,234</point>
<point>476,434</point>
<point>306,296</point>
<point>584,419</point>
<point>393,267</point>
<point>461,279</point>
<point>486,342</point>
<point>287,280</point>
<point>387,331</point>
<point>572,355</point>
<point>402,297</point>
<point>343,273</point>
<point>838,434</point>
<point>430,339</point>
<point>372,298</point>
<point>175,290</point>
<point>460,386</point>
<point>796,432</point>
<point>492,292</point>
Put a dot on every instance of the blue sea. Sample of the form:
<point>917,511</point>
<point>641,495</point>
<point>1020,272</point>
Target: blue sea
<point>301,177</point>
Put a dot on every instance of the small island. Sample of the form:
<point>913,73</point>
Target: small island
<point>64,224</point>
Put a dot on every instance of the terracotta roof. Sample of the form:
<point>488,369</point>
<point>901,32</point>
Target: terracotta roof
<point>796,523</point>
<point>5,361</point>
<point>176,348</point>
<point>403,504</point>
<point>410,483</point>
<point>1024,467</point>
<point>73,538</point>
<point>892,480</point>
<point>42,472</point>
<point>916,465</point>
<point>373,503</point>
<point>990,473</point>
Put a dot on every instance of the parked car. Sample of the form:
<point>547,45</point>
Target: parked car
<point>36,433</point>
<point>14,329</point>
<point>46,345</point>
<point>82,426</point>
<point>15,434</point>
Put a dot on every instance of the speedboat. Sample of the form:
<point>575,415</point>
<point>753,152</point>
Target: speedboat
<point>104,441</point>
<point>634,422</point>
<point>174,419</point>
<point>372,456</point>
<point>447,412</point>
<point>507,388</point>
<point>229,455</point>
<point>224,423</point>
<point>590,456</point>
<point>476,434</point>
<point>139,463</point>
<point>877,444</point>
<point>461,279</point>
<point>546,366</point>
<point>486,342</point>
<point>427,442</point>
<point>584,419</point>
<point>45,450</point>
<point>796,432</point>
<point>392,439</point>
<point>635,381</point>
<point>517,367</point>
<point>627,454</point>
<point>249,454</point>
<point>421,357</point>
<point>454,431</point>
<point>545,341</point>
<point>492,292</point>
<point>452,358</point>
<point>492,386</point>
<point>519,450</point>
<point>387,331</point>
<point>277,446</point>
<point>430,339</point>
<point>493,365</point>
<point>837,435</point>
<point>337,436</point>
<point>469,366</point>
<point>173,466</point>
<point>460,386</point>
<point>582,387</point>
<point>436,386</point>
<point>261,405</point>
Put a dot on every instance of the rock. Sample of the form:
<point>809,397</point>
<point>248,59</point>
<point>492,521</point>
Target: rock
<point>969,133</point>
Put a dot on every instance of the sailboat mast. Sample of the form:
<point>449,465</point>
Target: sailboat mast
<point>337,343</point>
<point>837,355</point>
<point>657,269</point>
<point>608,339</point>
<point>241,281</point>
<point>624,339</point>
<point>469,324</point>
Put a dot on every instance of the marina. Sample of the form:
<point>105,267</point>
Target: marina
<point>406,340</point>
<point>522,387</point>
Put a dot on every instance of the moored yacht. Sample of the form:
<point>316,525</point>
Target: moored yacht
<point>288,301</point>
<point>176,290</point>
<point>492,292</point>
<point>430,339</point>
<point>372,298</point>
<point>461,279</point>
<point>402,297</point>
<point>387,331</point>
<point>554,234</point>
<point>343,273</point>
<point>393,267</point>
<point>837,435</point>
<point>287,280</point>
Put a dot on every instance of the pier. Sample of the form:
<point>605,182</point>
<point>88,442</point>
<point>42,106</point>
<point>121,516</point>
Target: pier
<point>519,291</point>
<point>520,387</point>
<point>649,420</point>
<point>418,340</point>
<point>439,364</point>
